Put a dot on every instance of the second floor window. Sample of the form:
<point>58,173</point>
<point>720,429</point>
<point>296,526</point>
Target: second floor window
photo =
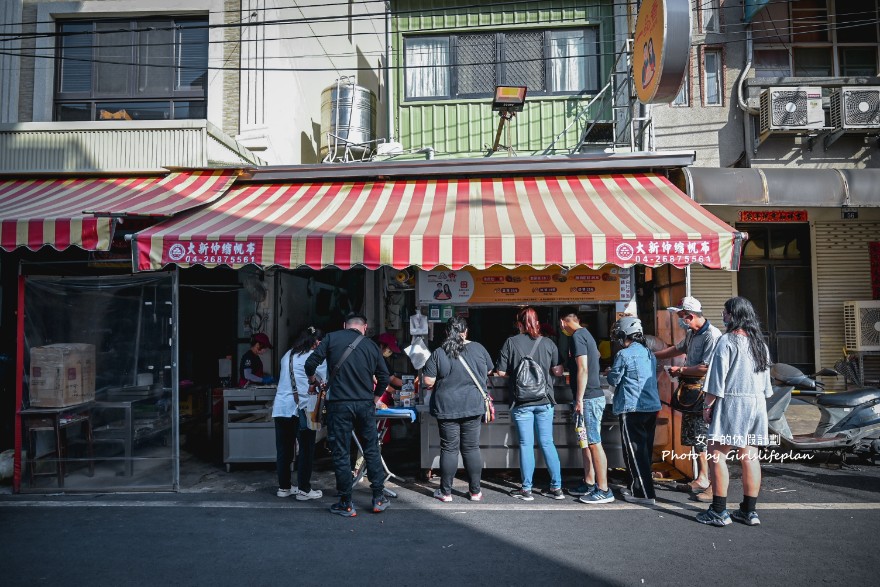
<point>712,86</point>
<point>557,62</point>
<point>817,38</point>
<point>143,69</point>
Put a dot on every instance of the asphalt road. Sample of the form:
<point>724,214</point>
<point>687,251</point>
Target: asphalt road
<point>819,527</point>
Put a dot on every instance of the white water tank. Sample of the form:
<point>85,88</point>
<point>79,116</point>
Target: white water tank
<point>348,122</point>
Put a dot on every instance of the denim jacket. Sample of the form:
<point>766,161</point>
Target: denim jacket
<point>634,375</point>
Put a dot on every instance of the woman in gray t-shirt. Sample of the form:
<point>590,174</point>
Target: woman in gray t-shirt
<point>737,385</point>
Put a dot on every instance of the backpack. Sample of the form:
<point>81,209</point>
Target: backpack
<point>529,379</point>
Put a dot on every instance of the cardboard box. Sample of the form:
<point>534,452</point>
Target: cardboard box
<point>62,375</point>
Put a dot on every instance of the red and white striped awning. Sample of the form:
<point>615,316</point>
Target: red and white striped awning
<point>590,220</point>
<point>61,212</point>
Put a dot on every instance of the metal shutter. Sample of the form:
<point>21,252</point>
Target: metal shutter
<point>842,273</point>
<point>712,287</point>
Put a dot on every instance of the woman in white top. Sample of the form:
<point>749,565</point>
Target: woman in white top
<point>291,413</point>
<point>737,387</point>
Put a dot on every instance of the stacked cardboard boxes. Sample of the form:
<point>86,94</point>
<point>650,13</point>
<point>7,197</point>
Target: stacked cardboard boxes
<point>62,375</point>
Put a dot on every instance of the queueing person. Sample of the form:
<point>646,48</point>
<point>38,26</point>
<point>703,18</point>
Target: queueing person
<point>636,403</point>
<point>250,368</point>
<point>697,345</point>
<point>291,415</point>
<point>353,361</point>
<point>534,416</point>
<point>457,403</point>
<point>737,387</point>
<point>589,401</point>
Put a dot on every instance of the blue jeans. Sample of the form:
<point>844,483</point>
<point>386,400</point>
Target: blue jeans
<point>530,419</point>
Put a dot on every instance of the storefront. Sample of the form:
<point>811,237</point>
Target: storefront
<point>96,383</point>
<point>288,247</point>
<point>543,231</point>
<point>812,233</point>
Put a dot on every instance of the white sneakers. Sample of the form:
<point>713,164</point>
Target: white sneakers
<point>300,495</point>
<point>313,494</point>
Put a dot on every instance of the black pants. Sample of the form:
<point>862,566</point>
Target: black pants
<point>305,460</point>
<point>342,418</point>
<point>460,435</point>
<point>285,448</point>
<point>637,434</point>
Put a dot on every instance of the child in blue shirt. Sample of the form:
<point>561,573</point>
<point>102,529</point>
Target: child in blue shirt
<point>636,403</point>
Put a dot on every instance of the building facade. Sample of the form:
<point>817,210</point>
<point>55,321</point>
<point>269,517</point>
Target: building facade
<point>782,99</point>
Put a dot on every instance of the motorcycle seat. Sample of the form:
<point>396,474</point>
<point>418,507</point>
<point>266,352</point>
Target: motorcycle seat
<point>849,399</point>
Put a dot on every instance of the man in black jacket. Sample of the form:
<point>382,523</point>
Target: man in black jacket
<point>351,402</point>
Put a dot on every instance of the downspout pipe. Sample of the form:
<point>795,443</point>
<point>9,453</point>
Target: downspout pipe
<point>748,112</point>
<point>389,103</point>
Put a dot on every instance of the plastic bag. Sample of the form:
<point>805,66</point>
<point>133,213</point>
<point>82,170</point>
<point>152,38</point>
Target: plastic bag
<point>418,352</point>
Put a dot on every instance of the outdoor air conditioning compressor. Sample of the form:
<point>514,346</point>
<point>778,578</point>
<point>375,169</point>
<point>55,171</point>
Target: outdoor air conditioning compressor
<point>861,325</point>
<point>856,107</point>
<point>791,109</point>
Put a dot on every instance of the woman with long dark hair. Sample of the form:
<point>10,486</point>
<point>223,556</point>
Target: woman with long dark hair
<point>737,387</point>
<point>458,371</point>
<point>291,415</point>
<point>533,414</point>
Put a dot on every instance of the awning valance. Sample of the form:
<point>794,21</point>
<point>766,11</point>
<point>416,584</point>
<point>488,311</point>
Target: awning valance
<point>61,212</point>
<point>589,220</point>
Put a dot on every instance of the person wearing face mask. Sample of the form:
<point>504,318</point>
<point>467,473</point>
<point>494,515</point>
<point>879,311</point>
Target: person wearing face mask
<point>697,346</point>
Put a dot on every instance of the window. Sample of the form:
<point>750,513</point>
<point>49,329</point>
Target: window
<point>771,63</point>
<point>557,62</point>
<point>712,86</point>
<point>683,97</point>
<point>817,38</point>
<point>709,16</point>
<point>145,69</point>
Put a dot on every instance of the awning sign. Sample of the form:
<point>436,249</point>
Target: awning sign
<point>524,285</point>
<point>654,252</point>
<point>207,252</point>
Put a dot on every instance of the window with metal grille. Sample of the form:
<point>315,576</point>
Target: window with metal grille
<point>141,69</point>
<point>548,62</point>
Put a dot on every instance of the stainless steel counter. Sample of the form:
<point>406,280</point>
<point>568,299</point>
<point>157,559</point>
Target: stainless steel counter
<point>499,441</point>
<point>248,429</point>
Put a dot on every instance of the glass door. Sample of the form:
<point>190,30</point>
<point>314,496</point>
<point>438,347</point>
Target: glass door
<point>775,275</point>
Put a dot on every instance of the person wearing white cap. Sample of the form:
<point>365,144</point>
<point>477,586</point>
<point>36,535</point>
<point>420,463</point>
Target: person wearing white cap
<point>697,345</point>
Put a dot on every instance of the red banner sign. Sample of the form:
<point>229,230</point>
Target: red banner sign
<point>773,216</point>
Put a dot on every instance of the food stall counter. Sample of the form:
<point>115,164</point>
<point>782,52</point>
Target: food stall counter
<point>499,443</point>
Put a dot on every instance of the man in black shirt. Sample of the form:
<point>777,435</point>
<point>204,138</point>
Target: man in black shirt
<point>351,402</point>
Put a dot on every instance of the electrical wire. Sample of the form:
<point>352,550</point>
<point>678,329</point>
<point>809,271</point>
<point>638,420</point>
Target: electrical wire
<point>24,53</point>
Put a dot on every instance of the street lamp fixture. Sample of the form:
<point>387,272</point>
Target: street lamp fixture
<point>508,100</point>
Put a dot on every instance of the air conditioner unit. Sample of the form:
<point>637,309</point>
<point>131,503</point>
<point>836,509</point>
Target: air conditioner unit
<point>861,325</point>
<point>792,109</point>
<point>856,107</point>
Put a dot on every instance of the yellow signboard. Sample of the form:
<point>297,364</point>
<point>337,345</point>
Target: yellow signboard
<point>524,286</point>
<point>661,49</point>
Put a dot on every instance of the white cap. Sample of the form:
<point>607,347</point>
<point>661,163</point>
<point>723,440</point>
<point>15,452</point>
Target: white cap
<point>688,304</point>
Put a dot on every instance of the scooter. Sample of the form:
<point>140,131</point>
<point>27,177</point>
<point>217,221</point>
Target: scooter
<point>849,421</point>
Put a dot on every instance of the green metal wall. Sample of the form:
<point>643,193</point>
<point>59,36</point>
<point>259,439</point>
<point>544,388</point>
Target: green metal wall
<point>463,127</point>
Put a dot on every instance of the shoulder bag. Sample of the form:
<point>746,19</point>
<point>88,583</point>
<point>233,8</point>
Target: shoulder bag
<point>488,404</point>
<point>320,413</point>
<point>688,396</point>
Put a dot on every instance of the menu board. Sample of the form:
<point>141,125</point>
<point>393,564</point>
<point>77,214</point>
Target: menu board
<point>524,285</point>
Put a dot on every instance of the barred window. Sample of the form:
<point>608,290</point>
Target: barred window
<point>556,62</point>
